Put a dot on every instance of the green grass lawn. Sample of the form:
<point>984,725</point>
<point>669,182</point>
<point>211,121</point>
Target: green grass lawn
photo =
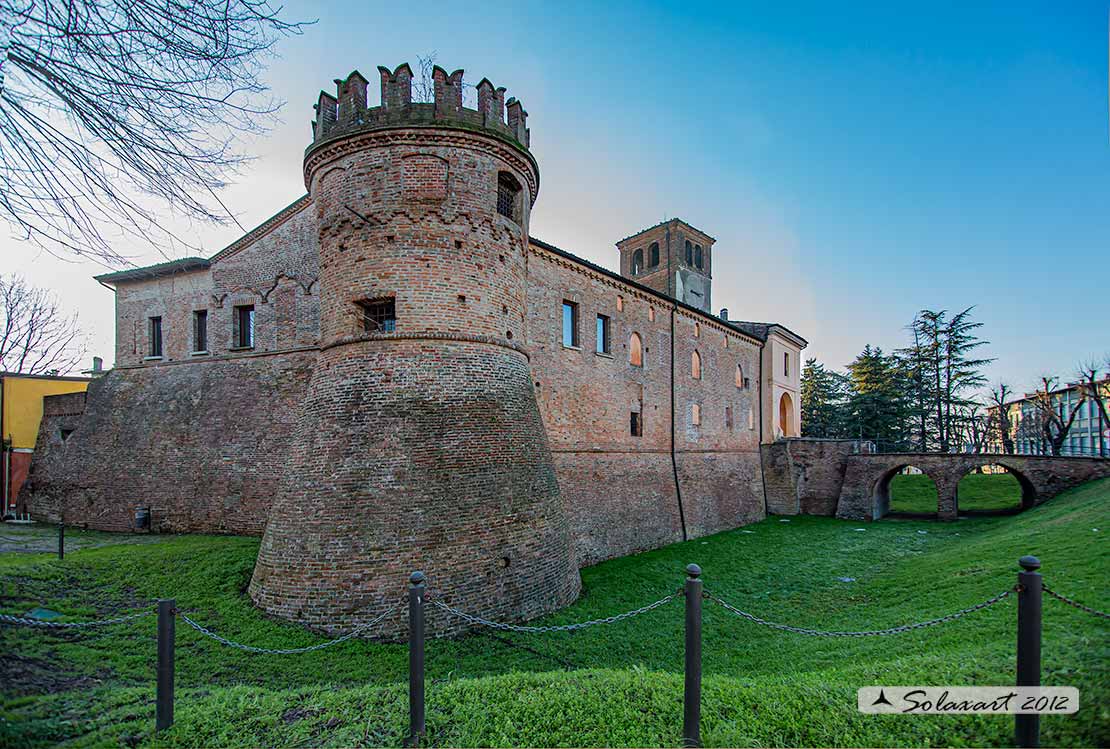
<point>614,685</point>
<point>918,494</point>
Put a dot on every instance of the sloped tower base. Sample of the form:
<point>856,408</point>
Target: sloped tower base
<point>396,468</point>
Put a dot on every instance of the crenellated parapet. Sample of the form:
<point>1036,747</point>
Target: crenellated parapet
<point>348,111</point>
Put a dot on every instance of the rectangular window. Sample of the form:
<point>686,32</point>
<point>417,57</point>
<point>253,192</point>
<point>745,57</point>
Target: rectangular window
<point>244,326</point>
<point>602,334</point>
<point>637,424</point>
<point>155,336</point>
<point>570,324</point>
<point>200,330</point>
<point>728,418</point>
<point>695,414</point>
<point>379,315</point>
<point>786,365</point>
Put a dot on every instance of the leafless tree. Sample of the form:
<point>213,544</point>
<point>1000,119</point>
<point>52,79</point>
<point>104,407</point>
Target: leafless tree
<point>423,83</point>
<point>1095,389</point>
<point>999,395</point>
<point>106,104</point>
<point>1055,425</point>
<point>36,337</point>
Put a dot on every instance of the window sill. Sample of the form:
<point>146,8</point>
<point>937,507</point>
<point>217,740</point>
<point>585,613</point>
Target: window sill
<point>152,358</point>
<point>572,348</point>
<point>603,355</point>
<point>199,353</point>
<point>240,348</point>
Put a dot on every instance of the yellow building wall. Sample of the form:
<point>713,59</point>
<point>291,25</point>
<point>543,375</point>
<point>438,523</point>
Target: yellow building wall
<point>23,405</point>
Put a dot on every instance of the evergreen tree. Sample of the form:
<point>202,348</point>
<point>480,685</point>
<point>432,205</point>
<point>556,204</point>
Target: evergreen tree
<point>877,404</point>
<point>824,397</point>
<point>942,367</point>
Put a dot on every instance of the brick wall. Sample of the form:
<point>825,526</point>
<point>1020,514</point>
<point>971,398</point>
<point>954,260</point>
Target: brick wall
<point>419,447</point>
<point>607,476</point>
<point>201,443</point>
<point>805,475</point>
<point>274,269</point>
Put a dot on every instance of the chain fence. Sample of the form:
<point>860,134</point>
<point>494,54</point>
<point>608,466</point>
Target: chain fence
<point>1076,604</point>
<point>862,633</point>
<point>22,621</point>
<point>286,651</point>
<point>1028,644</point>
<point>477,620</point>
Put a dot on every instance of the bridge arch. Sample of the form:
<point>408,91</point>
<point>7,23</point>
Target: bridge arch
<point>881,491</point>
<point>1027,490</point>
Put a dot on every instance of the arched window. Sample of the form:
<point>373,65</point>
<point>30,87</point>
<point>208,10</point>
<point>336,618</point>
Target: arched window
<point>739,377</point>
<point>697,255</point>
<point>635,350</point>
<point>654,254</point>
<point>508,196</point>
<point>695,414</point>
<point>786,416</point>
<point>697,330</point>
<point>695,365</point>
<point>637,262</point>
<point>689,253</point>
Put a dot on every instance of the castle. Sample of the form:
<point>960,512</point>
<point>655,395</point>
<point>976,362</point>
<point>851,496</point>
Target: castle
<point>392,374</point>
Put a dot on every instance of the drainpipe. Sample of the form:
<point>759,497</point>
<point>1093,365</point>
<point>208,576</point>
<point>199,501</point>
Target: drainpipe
<point>674,459</point>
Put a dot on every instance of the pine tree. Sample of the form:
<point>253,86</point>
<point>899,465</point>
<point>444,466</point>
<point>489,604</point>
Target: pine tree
<point>877,404</point>
<point>824,398</point>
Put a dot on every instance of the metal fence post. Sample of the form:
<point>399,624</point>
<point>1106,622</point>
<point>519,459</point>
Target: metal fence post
<point>164,699</point>
<point>1027,728</point>
<point>691,700</point>
<point>61,540</point>
<point>416,657</point>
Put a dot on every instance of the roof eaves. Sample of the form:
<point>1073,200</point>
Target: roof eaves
<point>638,286</point>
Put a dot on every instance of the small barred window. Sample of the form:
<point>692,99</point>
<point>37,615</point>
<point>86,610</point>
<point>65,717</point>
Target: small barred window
<point>379,315</point>
<point>508,196</point>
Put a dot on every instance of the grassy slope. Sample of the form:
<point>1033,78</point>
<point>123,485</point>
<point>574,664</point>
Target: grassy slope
<point>612,685</point>
<point>918,493</point>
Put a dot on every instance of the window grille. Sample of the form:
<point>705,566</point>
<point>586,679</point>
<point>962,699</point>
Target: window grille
<point>379,315</point>
<point>508,190</point>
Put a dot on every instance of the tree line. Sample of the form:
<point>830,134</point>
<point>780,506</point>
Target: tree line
<point>932,396</point>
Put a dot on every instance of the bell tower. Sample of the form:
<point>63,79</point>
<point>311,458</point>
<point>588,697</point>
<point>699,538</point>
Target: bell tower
<point>419,444</point>
<point>673,258</point>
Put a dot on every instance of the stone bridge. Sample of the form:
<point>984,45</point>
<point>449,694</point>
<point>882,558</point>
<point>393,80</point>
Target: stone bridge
<point>865,494</point>
<point>826,477</point>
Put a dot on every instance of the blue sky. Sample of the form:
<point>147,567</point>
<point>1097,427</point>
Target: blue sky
<point>856,162</point>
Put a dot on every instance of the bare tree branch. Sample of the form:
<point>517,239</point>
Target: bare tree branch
<point>36,337</point>
<point>105,104</point>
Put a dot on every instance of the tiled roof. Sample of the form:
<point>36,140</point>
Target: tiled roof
<point>153,271</point>
<point>664,223</point>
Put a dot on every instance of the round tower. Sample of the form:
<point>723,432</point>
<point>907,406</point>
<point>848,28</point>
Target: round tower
<point>419,444</point>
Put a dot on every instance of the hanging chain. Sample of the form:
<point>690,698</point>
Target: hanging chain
<point>286,651</point>
<point>865,633</point>
<point>473,619</point>
<point>1076,604</point>
<point>27,622</point>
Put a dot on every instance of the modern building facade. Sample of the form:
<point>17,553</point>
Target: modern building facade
<point>1089,435</point>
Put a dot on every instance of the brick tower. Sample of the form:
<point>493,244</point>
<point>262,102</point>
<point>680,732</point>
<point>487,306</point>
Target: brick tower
<point>419,444</point>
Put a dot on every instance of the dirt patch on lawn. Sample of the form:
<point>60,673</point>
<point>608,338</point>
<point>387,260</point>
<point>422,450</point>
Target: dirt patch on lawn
<point>37,538</point>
